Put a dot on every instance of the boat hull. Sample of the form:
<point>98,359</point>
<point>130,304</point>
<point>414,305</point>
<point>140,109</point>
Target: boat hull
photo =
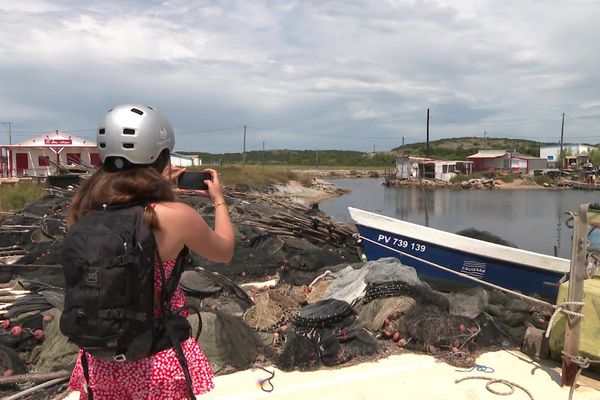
<point>421,254</point>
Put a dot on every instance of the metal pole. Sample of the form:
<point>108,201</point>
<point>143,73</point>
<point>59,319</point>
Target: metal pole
<point>244,148</point>
<point>428,132</point>
<point>8,124</point>
<point>8,151</point>
<point>560,154</point>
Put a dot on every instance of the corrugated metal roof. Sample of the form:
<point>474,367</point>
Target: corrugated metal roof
<point>56,139</point>
<point>488,155</point>
<point>181,156</point>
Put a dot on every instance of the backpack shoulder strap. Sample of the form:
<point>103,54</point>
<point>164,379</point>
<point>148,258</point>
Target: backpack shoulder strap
<point>169,287</point>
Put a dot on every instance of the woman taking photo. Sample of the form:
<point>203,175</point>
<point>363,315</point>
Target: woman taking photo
<point>135,143</point>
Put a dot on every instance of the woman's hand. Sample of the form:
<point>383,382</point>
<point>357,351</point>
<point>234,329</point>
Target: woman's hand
<point>172,174</point>
<point>214,190</point>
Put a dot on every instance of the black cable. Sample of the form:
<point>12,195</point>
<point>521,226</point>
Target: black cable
<point>267,380</point>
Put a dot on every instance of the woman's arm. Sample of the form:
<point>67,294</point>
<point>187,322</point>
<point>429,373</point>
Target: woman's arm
<point>181,225</point>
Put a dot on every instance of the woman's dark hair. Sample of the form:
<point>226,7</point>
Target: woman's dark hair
<point>144,183</point>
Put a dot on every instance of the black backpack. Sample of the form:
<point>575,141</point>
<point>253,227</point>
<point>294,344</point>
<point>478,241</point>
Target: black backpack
<point>108,259</point>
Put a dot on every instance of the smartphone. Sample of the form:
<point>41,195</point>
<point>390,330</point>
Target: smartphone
<point>194,180</point>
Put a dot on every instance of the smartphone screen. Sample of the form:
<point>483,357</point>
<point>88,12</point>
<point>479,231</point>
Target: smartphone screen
<point>193,180</point>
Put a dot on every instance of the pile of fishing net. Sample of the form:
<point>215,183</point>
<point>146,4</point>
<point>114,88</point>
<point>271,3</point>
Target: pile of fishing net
<point>324,333</point>
<point>273,308</point>
<point>415,317</point>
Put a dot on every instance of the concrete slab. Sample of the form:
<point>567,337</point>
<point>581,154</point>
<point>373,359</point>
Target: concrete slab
<point>406,376</point>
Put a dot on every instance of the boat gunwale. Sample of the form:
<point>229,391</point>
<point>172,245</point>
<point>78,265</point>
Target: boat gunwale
<point>464,244</point>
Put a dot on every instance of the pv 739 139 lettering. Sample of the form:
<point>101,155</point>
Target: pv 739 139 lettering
<point>402,244</point>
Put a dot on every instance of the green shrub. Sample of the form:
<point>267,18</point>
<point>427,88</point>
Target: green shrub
<point>258,177</point>
<point>542,179</point>
<point>460,178</point>
<point>14,198</point>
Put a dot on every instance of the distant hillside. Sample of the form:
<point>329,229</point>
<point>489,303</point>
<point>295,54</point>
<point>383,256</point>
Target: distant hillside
<point>303,158</point>
<point>461,148</point>
<point>443,149</point>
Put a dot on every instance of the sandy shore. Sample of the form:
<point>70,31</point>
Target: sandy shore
<point>321,190</point>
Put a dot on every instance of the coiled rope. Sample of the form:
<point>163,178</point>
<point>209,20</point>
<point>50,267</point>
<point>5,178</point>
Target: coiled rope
<point>488,386</point>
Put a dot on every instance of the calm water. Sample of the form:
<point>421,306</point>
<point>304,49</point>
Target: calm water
<point>532,219</point>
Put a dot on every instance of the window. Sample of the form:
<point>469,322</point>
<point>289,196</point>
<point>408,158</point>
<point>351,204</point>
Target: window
<point>444,169</point>
<point>43,161</point>
<point>95,159</point>
<point>74,158</point>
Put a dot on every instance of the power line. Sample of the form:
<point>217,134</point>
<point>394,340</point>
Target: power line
<point>44,131</point>
<point>581,123</point>
<point>194,132</point>
<point>498,123</point>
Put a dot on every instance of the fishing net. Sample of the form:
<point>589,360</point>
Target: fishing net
<point>10,360</point>
<point>324,333</point>
<point>229,344</point>
<point>266,315</point>
<point>273,308</point>
<point>374,314</point>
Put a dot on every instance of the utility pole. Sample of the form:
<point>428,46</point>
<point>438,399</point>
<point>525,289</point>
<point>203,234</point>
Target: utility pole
<point>560,154</point>
<point>484,134</point>
<point>402,145</point>
<point>373,148</point>
<point>316,159</point>
<point>9,131</point>
<point>244,147</point>
<point>264,156</point>
<point>428,132</point>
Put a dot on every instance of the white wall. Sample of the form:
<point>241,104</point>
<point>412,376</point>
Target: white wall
<point>33,155</point>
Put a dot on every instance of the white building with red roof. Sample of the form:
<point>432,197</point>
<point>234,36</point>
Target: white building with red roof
<point>42,155</point>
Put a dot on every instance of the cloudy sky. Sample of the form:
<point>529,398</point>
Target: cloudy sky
<point>306,74</point>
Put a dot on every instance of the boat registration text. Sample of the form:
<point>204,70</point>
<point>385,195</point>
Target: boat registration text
<point>402,244</point>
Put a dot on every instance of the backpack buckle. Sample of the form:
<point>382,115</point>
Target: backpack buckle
<point>92,277</point>
<point>120,358</point>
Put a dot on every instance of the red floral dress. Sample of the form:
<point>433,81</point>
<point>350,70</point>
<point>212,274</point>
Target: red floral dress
<point>159,376</point>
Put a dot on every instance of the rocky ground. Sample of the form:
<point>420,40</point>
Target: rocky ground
<point>480,183</point>
<point>296,294</point>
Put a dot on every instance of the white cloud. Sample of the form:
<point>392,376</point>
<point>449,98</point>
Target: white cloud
<point>319,69</point>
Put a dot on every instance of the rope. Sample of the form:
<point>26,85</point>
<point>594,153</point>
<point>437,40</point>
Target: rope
<point>488,385</point>
<point>262,382</point>
<point>478,368</point>
<point>482,282</point>
<point>560,309</point>
<point>582,363</point>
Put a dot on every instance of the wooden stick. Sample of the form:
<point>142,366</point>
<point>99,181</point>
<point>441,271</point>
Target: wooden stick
<point>576,278</point>
<point>36,388</point>
<point>8,380</point>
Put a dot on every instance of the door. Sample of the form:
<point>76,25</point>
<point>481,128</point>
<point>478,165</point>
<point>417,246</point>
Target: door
<point>95,159</point>
<point>74,158</point>
<point>22,160</point>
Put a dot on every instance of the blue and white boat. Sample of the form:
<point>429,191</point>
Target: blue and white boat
<point>440,256</point>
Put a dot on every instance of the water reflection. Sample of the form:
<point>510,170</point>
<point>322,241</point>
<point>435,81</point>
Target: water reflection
<point>532,219</point>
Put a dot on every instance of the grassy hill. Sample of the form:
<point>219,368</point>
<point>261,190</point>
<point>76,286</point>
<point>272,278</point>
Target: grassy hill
<point>308,158</point>
<point>461,148</point>
<point>443,149</point>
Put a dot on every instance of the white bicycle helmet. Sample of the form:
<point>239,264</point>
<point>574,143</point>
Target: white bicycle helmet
<point>135,133</point>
